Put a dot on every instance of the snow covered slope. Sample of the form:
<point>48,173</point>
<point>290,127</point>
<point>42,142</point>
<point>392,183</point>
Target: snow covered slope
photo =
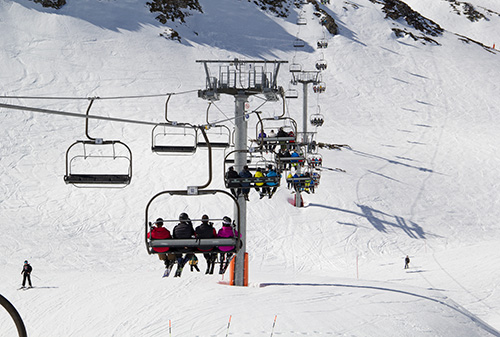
<point>421,176</point>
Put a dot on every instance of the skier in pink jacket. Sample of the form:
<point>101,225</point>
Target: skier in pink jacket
<point>227,231</point>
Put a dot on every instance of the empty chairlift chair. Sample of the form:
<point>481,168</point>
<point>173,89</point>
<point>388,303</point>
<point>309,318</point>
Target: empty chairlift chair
<point>94,163</point>
<point>174,139</point>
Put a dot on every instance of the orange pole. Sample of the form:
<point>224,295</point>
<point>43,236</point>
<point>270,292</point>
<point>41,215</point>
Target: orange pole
<point>231,271</point>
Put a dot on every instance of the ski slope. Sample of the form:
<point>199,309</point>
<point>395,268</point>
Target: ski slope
<point>421,175</point>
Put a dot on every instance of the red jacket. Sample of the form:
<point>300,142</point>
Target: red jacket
<point>160,233</point>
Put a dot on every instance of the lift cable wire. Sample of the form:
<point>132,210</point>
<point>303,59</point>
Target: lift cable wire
<point>98,97</point>
<point>74,114</point>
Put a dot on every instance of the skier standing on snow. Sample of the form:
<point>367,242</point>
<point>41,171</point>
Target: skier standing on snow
<point>407,262</point>
<point>26,272</point>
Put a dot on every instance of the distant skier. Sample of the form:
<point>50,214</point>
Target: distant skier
<point>407,262</point>
<point>26,272</point>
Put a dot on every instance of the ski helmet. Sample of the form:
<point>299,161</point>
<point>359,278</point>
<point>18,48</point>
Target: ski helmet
<point>226,221</point>
<point>204,217</point>
<point>159,222</point>
<point>183,216</point>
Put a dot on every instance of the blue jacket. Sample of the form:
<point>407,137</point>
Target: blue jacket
<point>272,173</point>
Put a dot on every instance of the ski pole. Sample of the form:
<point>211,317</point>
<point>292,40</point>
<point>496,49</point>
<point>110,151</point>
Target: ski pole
<point>274,323</point>
<point>228,324</point>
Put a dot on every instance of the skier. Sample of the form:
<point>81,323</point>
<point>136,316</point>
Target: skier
<point>183,230</point>
<point>207,231</point>
<point>245,173</point>
<point>26,272</point>
<point>271,173</point>
<point>231,173</point>
<point>407,262</point>
<point>193,263</point>
<point>161,233</point>
<point>258,185</point>
<point>226,251</point>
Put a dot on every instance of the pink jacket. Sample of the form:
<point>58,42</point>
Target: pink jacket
<point>227,232</point>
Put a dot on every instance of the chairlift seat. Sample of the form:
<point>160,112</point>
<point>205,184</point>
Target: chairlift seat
<point>173,149</point>
<point>219,145</point>
<point>192,245</point>
<point>97,179</point>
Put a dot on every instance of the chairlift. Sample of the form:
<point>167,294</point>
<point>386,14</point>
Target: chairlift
<point>298,43</point>
<point>317,119</point>
<point>191,245</point>
<point>314,160</point>
<point>301,20</point>
<point>320,87</point>
<point>174,139</point>
<point>291,93</point>
<point>95,163</point>
<point>280,131</point>
<point>219,137</point>
<point>321,64</point>
<point>250,182</point>
<point>295,67</point>
<point>98,163</point>
<point>322,43</point>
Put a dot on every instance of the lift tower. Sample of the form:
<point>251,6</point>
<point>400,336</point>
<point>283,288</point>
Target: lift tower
<point>304,77</point>
<point>241,79</point>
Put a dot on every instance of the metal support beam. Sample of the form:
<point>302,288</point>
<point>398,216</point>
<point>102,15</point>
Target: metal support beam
<point>240,143</point>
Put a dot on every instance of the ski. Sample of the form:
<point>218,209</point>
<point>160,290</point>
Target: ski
<point>167,272</point>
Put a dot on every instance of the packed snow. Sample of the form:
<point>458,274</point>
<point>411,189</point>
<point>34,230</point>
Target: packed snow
<point>421,174</point>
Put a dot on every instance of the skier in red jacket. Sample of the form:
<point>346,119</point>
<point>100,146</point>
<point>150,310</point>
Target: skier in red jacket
<point>161,233</point>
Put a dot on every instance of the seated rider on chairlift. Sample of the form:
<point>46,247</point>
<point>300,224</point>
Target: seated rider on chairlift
<point>273,186</point>
<point>161,233</point>
<point>245,173</point>
<point>227,231</point>
<point>207,231</point>
<point>183,230</point>
<point>234,187</point>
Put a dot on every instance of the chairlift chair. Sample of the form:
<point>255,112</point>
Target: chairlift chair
<point>98,163</point>
<point>301,21</point>
<point>219,137</point>
<point>321,64</point>
<point>320,87</point>
<point>267,125</point>
<point>295,67</point>
<point>250,182</point>
<point>317,119</point>
<point>322,43</point>
<point>192,245</point>
<point>298,43</point>
<point>291,93</point>
<point>174,139</point>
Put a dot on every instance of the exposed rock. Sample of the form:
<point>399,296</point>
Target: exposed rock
<point>278,7</point>
<point>171,34</point>
<point>326,19</point>
<point>468,10</point>
<point>173,9</point>
<point>51,3</point>
<point>403,33</point>
<point>396,9</point>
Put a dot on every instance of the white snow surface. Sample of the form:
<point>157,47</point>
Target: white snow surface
<point>421,176</point>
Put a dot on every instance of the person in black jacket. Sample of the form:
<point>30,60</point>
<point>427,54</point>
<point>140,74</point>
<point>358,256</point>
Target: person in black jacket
<point>231,173</point>
<point>245,173</point>
<point>26,272</point>
<point>183,230</point>
<point>207,231</point>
